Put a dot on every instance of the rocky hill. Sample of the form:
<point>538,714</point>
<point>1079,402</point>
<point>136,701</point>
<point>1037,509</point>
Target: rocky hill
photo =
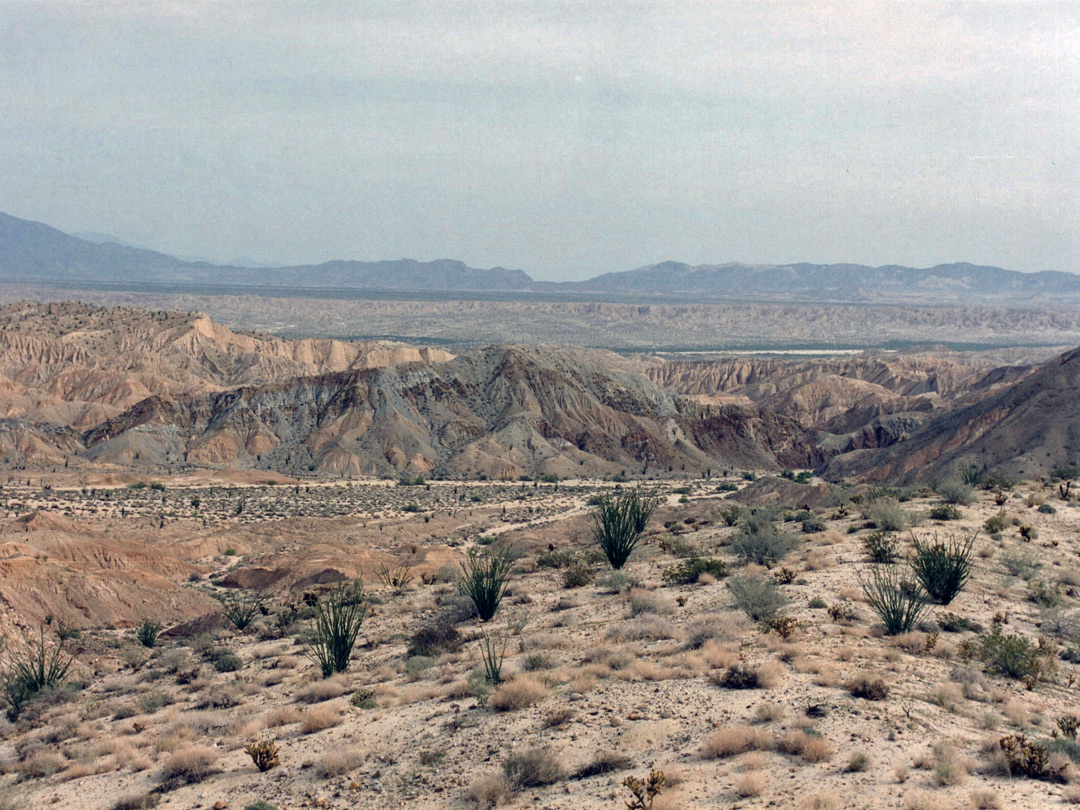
<point>87,387</point>
<point>1025,428</point>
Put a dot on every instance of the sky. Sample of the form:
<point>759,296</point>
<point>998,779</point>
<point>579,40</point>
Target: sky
<point>563,138</point>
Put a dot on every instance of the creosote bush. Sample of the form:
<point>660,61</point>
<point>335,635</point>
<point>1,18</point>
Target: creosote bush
<point>882,547</point>
<point>758,596</point>
<point>690,571</point>
<point>619,522</point>
<point>484,577</point>
<point>759,541</point>
<point>339,616</point>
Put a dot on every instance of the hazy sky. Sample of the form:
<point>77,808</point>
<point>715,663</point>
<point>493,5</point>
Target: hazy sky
<point>564,138</point>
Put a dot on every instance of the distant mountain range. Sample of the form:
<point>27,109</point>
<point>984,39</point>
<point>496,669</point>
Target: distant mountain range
<point>32,251</point>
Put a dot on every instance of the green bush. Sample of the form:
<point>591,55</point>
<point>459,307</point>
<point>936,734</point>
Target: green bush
<point>897,601</point>
<point>227,661</point>
<point>691,570</point>
<point>956,492</point>
<point>339,616</point>
<point>944,511</point>
<point>758,596</point>
<point>882,547</point>
<point>618,524</point>
<point>147,633</point>
<point>995,524</point>
<point>577,575</point>
<point>1012,655</point>
<point>942,567</point>
<point>885,513</point>
<point>484,579</point>
<point>759,541</point>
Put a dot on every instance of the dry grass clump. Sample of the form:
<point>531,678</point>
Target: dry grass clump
<point>713,627</point>
<point>751,784</point>
<point>985,800</point>
<point>643,601</point>
<point>769,712</point>
<point>821,801</point>
<point>868,686</point>
<point>533,767</point>
<point>324,689</point>
<point>766,675</point>
<point>643,628</point>
<point>489,791</point>
<point>41,763</point>
<point>339,761</point>
<point>190,765</point>
<point>733,740</point>
<point>518,694</point>
<point>810,747</point>
<point>319,719</point>
<point>282,716</point>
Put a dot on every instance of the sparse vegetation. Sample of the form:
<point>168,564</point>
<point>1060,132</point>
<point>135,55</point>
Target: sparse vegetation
<point>759,541</point>
<point>147,633</point>
<point>33,671</point>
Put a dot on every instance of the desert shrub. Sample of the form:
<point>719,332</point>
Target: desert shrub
<point>956,492</point>
<point>1047,509</point>
<point>843,612</point>
<point>619,522</point>
<point>577,575</point>
<point>691,570</point>
<point>897,601</point>
<point>616,581</point>
<point>1012,655</point>
<point>945,511</point>
<point>952,623</point>
<point>1029,759</point>
<point>557,558</point>
<point>886,514</point>
<point>1020,564</point>
<point>783,626</point>
<point>858,762</point>
<point>241,607</point>
<point>32,672</point>
<point>868,687</point>
<point>643,792</point>
<point>533,767</point>
<point>758,596</point>
<point>363,698</point>
<point>484,577</point>
<point>1068,725</point>
<point>942,567</point>
<point>1046,596</point>
<point>813,524</point>
<point>995,524</point>
<point>260,804</point>
<point>138,801</point>
<point>759,541</point>
<point>740,676</point>
<point>147,633</point>
<point>226,661</point>
<point>436,638</point>
<point>190,765</point>
<point>264,753</point>
<point>817,603</point>
<point>339,616</point>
